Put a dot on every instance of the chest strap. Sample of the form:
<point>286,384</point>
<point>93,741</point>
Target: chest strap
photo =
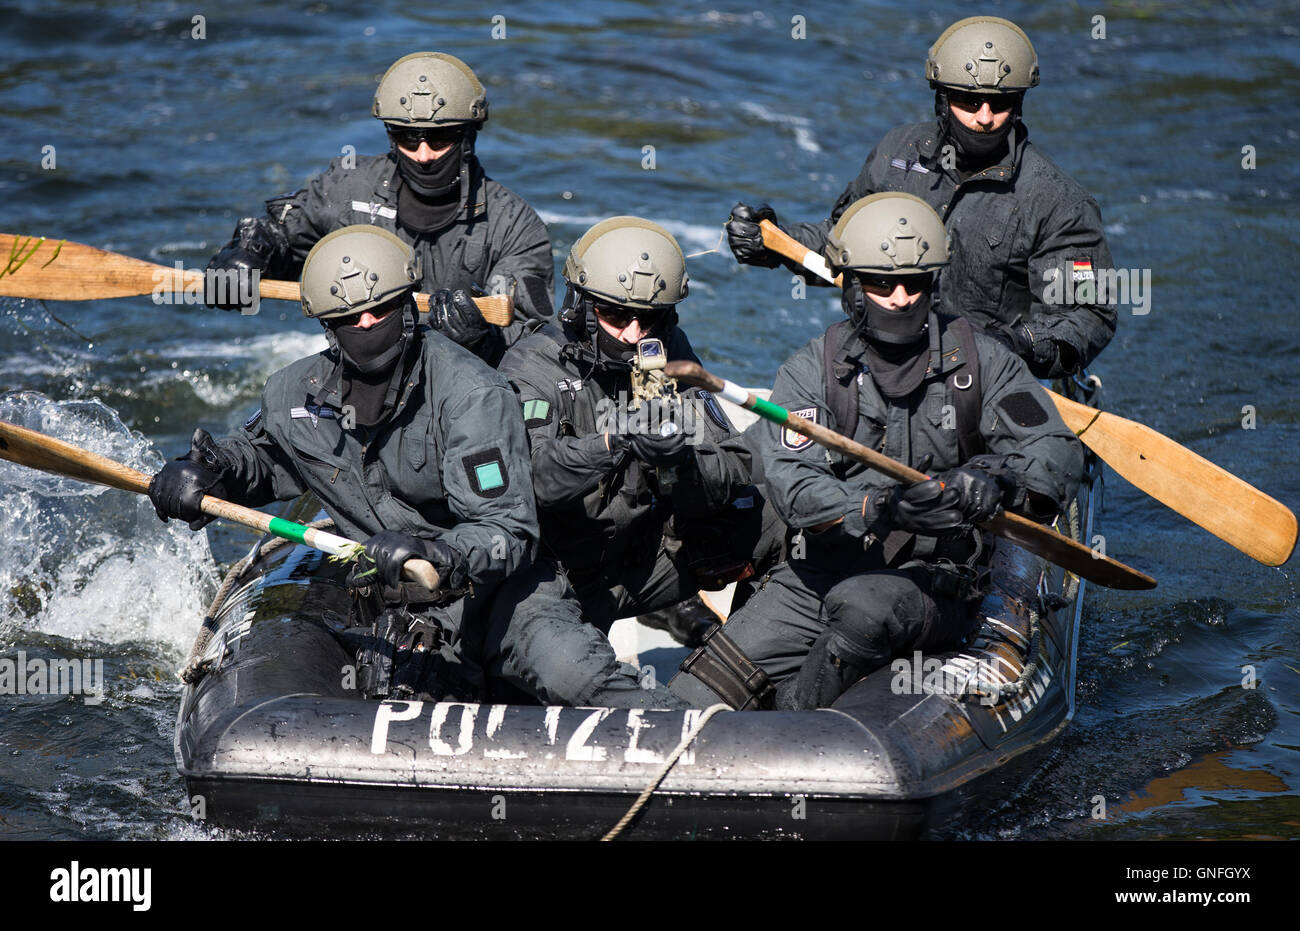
<point>841,384</point>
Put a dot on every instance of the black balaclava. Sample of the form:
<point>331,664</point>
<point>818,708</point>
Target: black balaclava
<point>897,349</point>
<point>431,193</point>
<point>975,150</point>
<point>590,342</point>
<point>373,362</point>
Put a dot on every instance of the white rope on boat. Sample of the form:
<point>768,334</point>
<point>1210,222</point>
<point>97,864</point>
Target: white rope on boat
<point>663,770</point>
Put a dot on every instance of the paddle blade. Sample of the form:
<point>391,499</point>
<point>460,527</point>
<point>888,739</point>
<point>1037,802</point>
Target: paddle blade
<point>1069,554</point>
<point>57,270</point>
<point>38,451</point>
<point>1234,511</point>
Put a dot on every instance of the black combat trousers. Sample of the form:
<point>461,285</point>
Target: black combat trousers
<point>818,624</point>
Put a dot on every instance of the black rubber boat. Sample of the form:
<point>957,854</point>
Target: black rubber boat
<point>272,740</point>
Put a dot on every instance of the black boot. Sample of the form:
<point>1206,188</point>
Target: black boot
<point>687,622</point>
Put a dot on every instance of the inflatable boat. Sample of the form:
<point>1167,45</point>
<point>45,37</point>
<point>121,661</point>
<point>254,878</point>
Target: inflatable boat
<point>272,738</point>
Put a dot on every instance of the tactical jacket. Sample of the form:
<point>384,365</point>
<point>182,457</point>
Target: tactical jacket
<point>497,242</point>
<point>1009,225</point>
<point>450,463</point>
<point>810,485</point>
<point>600,514</point>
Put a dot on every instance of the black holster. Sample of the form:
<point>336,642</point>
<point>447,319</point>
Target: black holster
<point>725,669</point>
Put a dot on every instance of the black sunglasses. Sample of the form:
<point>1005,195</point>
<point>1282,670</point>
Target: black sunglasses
<point>885,284</point>
<point>623,316</point>
<point>998,103</point>
<point>436,137</point>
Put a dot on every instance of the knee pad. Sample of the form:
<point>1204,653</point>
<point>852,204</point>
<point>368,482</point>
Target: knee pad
<point>876,617</point>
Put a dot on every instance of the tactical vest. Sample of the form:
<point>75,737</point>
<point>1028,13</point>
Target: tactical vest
<point>841,391</point>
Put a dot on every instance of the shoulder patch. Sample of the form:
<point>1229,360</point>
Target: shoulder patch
<point>537,413</point>
<point>797,441</point>
<point>487,473</point>
<point>252,422</point>
<point>1023,409</point>
<point>715,411</point>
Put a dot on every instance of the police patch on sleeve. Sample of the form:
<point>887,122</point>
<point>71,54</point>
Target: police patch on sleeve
<point>487,473</point>
<point>537,413</point>
<point>797,441</point>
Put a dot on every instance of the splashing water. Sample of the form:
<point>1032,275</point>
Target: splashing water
<point>90,563</point>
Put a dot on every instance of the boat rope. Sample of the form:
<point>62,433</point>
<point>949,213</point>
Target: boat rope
<point>663,770</point>
<point>196,667</point>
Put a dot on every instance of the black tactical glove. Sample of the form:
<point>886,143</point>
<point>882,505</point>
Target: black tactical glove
<point>1045,357</point>
<point>651,448</point>
<point>979,494</point>
<point>1010,481</point>
<point>746,238</point>
<point>181,484</point>
<point>920,507</point>
<point>660,440</point>
<point>389,549</point>
<point>1015,336</point>
<point>455,315</point>
<point>257,246</point>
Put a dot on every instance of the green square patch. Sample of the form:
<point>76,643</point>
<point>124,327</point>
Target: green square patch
<point>489,476</point>
<point>537,413</point>
<point>487,473</point>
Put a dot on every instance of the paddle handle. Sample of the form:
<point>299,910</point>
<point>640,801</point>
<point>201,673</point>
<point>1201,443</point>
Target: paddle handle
<point>783,244</point>
<point>497,309</point>
<point>1022,531</point>
<point>416,570</point>
<point>1015,527</point>
<point>36,450</point>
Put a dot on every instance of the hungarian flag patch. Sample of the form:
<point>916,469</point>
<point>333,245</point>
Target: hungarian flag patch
<point>797,441</point>
<point>1083,270</point>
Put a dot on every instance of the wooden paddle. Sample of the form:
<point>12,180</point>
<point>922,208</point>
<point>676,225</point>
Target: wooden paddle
<point>35,267</point>
<point>1037,539</point>
<point>1234,511</point>
<point>38,451</point>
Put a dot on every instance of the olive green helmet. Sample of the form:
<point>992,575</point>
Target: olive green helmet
<point>888,234</point>
<point>630,262</point>
<point>354,269</point>
<point>430,89</point>
<point>983,54</point>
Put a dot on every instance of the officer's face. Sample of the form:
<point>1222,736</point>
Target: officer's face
<point>367,318</point>
<point>621,323</point>
<point>977,111</point>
